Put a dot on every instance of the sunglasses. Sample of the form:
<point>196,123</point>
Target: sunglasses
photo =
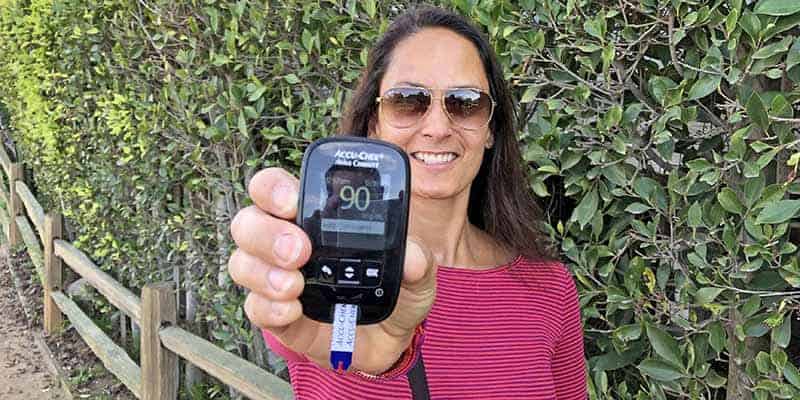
<point>467,108</point>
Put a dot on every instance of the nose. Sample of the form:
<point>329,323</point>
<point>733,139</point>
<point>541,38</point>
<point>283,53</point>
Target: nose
<point>436,124</point>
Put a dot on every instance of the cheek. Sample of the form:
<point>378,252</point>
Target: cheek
<point>388,135</point>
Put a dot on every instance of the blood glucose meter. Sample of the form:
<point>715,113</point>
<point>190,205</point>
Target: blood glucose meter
<point>353,205</point>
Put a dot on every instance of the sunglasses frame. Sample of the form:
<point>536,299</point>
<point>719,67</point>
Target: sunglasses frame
<point>430,92</point>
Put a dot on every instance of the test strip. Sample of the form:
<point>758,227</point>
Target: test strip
<point>343,337</point>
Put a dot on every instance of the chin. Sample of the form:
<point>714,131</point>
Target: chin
<point>439,192</point>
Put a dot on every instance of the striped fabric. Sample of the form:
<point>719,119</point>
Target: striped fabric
<point>512,331</point>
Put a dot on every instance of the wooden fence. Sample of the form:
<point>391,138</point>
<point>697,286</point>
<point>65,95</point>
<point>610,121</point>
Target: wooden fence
<point>162,341</point>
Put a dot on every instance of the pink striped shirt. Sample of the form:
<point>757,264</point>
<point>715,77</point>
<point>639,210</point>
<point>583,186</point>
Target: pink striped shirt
<point>512,331</point>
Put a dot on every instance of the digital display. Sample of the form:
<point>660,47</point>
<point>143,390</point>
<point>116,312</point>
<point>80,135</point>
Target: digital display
<point>355,212</point>
<point>353,205</point>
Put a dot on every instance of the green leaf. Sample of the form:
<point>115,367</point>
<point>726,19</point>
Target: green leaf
<point>530,94</point>
<point>793,58</point>
<point>637,208</point>
<point>759,146</point>
<point>791,374</point>
<point>793,160</point>
<point>717,336</point>
<point>370,8</point>
<point>619,145</point>
<point>589,47</point>
<point>777,7</point>
<point>704,86</point>
<point>612,360</point>
<point>613,116</point>
<point>257,93</point>
<point>753,188</point>
<point>762,362</point>
<point>729,201</point>
<point>707,295</point>
<point>665,345</point>
<point>586,208</point>
<point>242,124</point>
<point>695,215</point>
<point>773,49</point>
<point>751,24</point>
<point>755,327</point>
<point>782,334</point>
<point>778,358</point>
<point>596,27</point>
<point>778,212</point>
<point>757,111</point>
<point>292,79</point>
<point>628,333</point>
<point>751,306</point>
<point>730,21</point>
<point>660,370</point>
<point>766,158</point>
<point>699,165</point>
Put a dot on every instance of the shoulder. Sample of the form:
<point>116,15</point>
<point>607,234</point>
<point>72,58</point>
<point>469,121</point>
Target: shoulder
<point>549,275</point>
<point>550,269</point>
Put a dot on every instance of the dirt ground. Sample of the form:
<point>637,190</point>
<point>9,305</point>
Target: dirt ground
<point>24,375</point>
<point>84,374</point>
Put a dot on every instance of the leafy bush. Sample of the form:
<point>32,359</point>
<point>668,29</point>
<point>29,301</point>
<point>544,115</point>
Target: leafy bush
<point>661,136</point>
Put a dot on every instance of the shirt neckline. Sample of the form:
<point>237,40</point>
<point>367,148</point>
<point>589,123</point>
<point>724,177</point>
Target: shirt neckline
<point>477,271</point>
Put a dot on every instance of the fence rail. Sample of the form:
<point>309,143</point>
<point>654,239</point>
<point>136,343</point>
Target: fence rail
<point>114,357</point>
<point>245,377</point>
<point>162,342</point>
<point>116,294</point>
<point>35,211</point>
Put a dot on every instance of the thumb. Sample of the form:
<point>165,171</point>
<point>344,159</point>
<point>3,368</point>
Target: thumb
<point>417,292</point>
<point>419,270</point>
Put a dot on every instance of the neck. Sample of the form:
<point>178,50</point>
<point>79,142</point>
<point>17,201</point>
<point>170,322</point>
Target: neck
<point>443,226</point>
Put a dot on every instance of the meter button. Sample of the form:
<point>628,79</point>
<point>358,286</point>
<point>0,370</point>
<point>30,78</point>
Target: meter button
<point>350,271</point>
<point>326,270</point>
<point>372,273</point>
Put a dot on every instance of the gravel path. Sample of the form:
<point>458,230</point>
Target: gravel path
<point>23,372</point>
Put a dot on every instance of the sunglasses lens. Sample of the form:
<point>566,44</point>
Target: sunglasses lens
<point>468,108</point>
<point>403,107</point>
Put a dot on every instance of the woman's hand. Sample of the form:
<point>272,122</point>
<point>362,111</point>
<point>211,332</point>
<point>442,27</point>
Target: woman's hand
<point>272,249</point>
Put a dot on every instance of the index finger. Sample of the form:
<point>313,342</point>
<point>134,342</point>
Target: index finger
<point>275,191</point>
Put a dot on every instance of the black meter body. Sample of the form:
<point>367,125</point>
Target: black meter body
<point>353,204</point>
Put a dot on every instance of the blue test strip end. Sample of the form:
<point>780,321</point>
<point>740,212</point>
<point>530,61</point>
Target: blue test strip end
<point>340,360</point>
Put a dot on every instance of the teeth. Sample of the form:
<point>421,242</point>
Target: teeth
<point>434,158</point>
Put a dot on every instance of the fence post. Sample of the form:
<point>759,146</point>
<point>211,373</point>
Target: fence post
<point>159,365</point>
<point>14,206</point>
<point>53,272</point>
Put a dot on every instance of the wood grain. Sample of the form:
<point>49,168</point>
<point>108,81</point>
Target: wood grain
<point>32,206</point>
<point>246,377</point>
<point>31,244</point>
<point>118,295</point>
<point>159,365</point>
<point>114,358</point>
<point>53,273</point>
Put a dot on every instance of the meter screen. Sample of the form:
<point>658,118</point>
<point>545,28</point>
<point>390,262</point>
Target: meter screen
<point>355,198</point>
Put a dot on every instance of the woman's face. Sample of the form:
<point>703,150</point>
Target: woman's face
<point>444,157</point>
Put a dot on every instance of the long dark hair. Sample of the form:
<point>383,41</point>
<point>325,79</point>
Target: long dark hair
<point>500,200</point>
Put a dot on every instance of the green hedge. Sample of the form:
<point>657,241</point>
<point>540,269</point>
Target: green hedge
<point>661,137</point>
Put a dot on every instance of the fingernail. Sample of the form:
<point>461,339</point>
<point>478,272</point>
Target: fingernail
<point>287,247</point>
<point>284,196</point>
<point>278,280</point>
<point>280,309</point>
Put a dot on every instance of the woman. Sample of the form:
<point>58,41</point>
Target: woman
<point>491,313</point>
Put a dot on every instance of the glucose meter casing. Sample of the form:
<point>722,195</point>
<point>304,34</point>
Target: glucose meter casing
<point>353,205</point>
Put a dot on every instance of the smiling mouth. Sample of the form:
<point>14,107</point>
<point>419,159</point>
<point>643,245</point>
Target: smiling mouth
<point>434,158</point>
